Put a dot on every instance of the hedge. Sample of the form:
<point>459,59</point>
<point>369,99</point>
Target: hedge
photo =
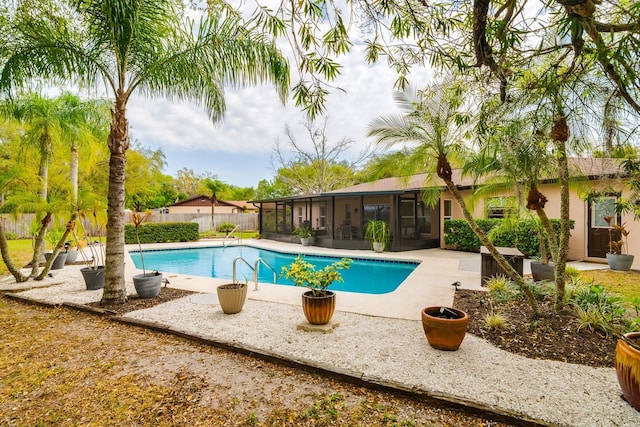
<point>162,232</point>
<point>520,233</point>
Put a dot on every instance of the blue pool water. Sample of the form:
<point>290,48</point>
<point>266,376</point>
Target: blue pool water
<point>365,275</point>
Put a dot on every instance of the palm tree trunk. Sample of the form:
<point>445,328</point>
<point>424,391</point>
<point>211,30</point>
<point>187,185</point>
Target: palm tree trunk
<point>38,246</point>
<point>4,249</point>
<point>59,246</point>
<point>563,247</point>
<point>502,262</point>
<point>118,142</point>
<point>73,172</point>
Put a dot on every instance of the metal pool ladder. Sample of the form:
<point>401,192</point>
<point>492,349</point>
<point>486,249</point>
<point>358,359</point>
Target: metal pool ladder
<point>255,268</point>
<point>224,241</point>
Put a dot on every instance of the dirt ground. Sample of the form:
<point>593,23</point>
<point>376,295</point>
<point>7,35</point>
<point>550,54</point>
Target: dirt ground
<point>63,367</point>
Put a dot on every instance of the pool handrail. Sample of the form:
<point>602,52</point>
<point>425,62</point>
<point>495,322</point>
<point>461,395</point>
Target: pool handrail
<point>236,259</point>
<point>224,241</point>
<point>256,266</point>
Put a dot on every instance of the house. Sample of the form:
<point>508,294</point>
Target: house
<point>202,204</point>
<point>338,217</point>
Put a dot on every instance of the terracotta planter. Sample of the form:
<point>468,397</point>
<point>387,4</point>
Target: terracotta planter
<point>445,327</point>
<point>620,262</point>
<point>148,285</point>
<point>231,297</point>
<point>93,277</point>
<point>319,309</point>
<point>628,369</point>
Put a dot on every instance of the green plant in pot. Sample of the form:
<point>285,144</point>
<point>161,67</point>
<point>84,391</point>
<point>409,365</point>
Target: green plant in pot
<point>53,237</point>
<point>377,232</point>
<point>147,284</point>
<point>92,222</point>
<point>618,241</point>
<point>306,235</point>
<point>318,303</point>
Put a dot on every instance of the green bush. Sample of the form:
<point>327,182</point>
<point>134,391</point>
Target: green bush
<point>458,233</point>
<point>226,227</point>
<point>152,232</point>
<point>514,233</point>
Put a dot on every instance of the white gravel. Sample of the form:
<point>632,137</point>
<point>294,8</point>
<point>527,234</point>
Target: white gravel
<point>388,351</point>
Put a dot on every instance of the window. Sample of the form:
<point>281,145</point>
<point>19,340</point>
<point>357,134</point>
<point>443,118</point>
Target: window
<point>323,216</point>
<point>447,209</point>
<point>498,207</point>
<point>604,206</point>
<point>300,215</point>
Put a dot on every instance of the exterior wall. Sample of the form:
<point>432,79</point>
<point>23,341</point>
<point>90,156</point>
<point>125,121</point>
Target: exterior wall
<point>578,212</point>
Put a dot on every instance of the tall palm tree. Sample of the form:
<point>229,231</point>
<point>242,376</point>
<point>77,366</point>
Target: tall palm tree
<point>149,47</point>
<point>433,123</point>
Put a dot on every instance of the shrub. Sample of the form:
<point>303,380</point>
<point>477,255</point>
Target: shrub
<point>152,232</point>
<point>496,321</point>
<point>598,309</point>
<point>459,234</point>
<point>226,227</point>
<point>501,288</point>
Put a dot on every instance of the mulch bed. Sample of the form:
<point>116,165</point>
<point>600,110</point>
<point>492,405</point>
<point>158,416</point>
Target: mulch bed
<point>136,303</point>
<point>553,336</point>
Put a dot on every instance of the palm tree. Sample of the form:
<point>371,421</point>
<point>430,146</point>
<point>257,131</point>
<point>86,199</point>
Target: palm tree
<point>214,186</point>
<point>433,121</point>
<point>149,47</point>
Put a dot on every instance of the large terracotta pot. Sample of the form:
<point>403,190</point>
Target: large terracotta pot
<point>628,369</point>
<point>318,309</point>
<point>231,297</point>
<point>445,327</point>
<point>148,285</point>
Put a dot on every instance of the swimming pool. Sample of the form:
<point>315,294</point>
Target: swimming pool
<point>365,275</point>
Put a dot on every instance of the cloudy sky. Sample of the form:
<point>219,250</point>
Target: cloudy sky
<point>238,150</point>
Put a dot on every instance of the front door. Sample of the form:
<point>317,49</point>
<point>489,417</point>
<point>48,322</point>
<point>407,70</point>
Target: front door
<point>598,234</point>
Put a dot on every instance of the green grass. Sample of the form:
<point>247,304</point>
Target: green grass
<point>623,283</point>
<point>21,253</point>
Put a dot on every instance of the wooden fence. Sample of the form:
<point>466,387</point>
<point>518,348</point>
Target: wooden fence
<point>20,226</point>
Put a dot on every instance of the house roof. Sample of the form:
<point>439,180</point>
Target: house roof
<point>592,168</point>
<point>203,200</point>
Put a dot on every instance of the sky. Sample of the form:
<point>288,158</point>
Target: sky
<point>238,150</point>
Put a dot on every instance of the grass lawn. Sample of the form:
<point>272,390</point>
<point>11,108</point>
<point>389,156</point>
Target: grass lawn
<point>624,283</point>
<point>21,253</point>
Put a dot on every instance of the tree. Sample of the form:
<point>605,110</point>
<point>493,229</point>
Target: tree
<point>214,186</point>
<point>434,122</point>
<point>149,47</point>
<point>316,169</point>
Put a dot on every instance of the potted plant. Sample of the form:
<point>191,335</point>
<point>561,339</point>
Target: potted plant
<point>306,235</point>
<point>445,327</point>
<point>232,296</point>
<point>93,273</point>
<point>616,257</point>
<point>542,269</point>
<point>377,232</point>
<point>628,367</point>
<point>53,237</point>
<point>147,284</point>
<point>318,303</point>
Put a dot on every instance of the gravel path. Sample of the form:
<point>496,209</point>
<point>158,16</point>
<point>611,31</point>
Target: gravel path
<point>387,351</point>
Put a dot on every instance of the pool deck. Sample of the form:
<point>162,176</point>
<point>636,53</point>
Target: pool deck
<point>429,284</point>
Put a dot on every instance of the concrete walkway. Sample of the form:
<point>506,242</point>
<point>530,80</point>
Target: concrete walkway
<point>380,340</point>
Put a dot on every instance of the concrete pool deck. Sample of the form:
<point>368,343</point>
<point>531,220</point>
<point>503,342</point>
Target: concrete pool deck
<point>380,350</point>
